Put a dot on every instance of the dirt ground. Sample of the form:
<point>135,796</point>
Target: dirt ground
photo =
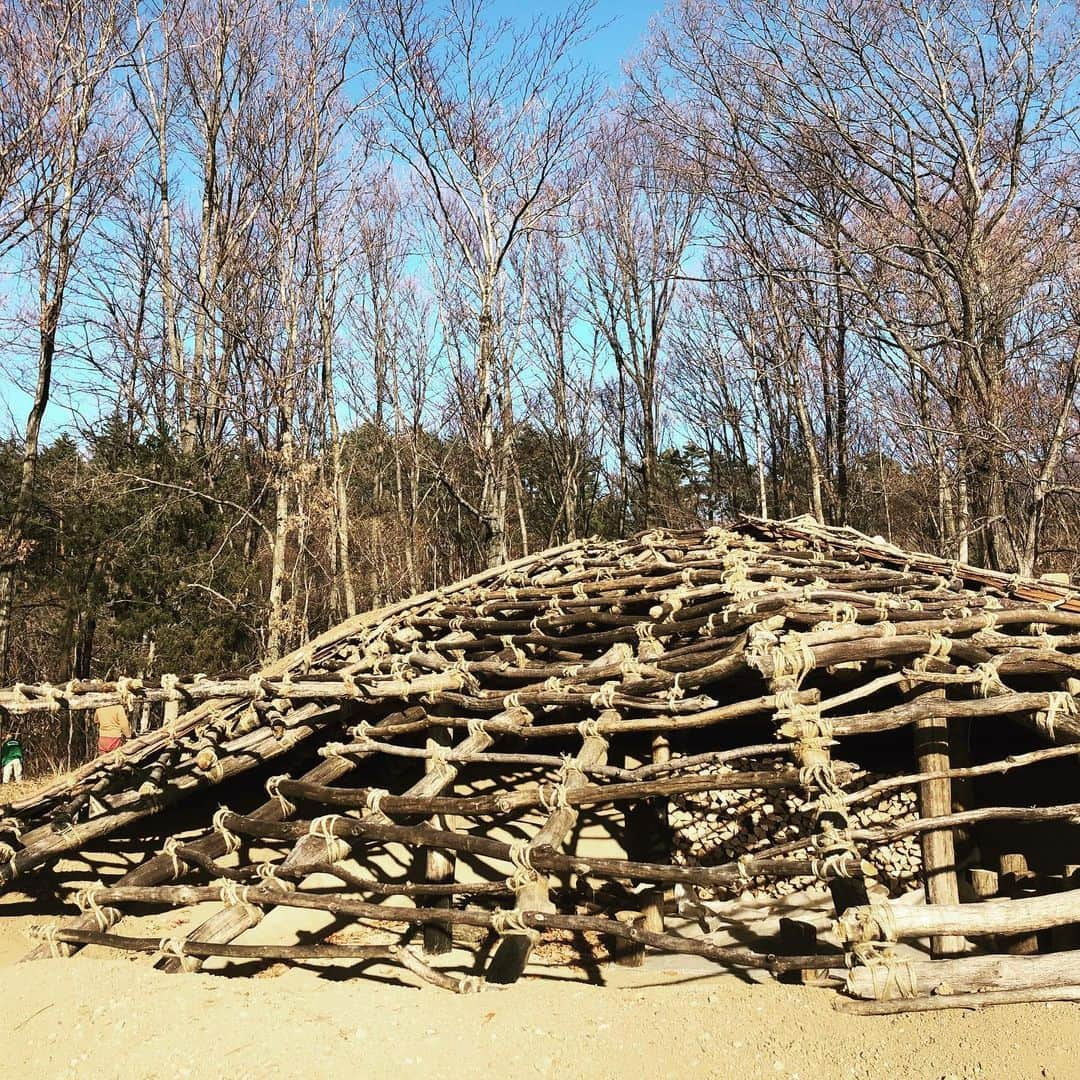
<point>101,1017</point>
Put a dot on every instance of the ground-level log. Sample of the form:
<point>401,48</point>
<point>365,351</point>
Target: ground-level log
<point>899,922</point>
<point>891,978</point>
<point>735,956</point>
<point>960,1001</point>
<point>181,949</point>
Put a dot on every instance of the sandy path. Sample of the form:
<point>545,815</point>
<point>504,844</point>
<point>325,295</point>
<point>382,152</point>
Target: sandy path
<point>118,1018</point>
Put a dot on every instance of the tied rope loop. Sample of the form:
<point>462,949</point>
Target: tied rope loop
<point>373,800</point>
<point>58,950</point>
<point>124,690</point>
<point>178,947</point>
<point>323,828</point>
<point>555,798</point>
<point>1058,702</point>
<point>569,767</point>
<point>477,729</point>
<point>988,679</point>
<point>234,895</point>
<point>889,977</point>
<point>273,789</point>
<point>440,759</point>
<point>820,774</point>
<point>604,698</point>
<point>170,685</point>
<point>268,874</point>
<point>508,642</point>
<point>335,749</point>
<point>512,701</point>
<point>831,866</point>
<point>590,729</point>
<point>257,685</point>
<point>348,684</point>
<point>676,693</point>
<point>505,922</point>
<point>525,873</point>
<point>362,732</point>
<point>792,658</point>
<point>939,647</point>
<point>171,849</point>
<point>232,841</point>
<point>87,901</point>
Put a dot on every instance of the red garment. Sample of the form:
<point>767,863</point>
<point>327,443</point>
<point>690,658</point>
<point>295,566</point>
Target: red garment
<point>106,745</point>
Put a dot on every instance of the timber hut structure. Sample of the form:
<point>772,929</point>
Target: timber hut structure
<point>575,750</point>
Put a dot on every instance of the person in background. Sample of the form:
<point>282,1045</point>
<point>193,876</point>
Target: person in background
<point>114,728</point>
<point>11,759</point>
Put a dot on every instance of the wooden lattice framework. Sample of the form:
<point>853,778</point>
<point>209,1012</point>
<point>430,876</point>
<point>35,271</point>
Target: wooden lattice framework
<point>569,677</point>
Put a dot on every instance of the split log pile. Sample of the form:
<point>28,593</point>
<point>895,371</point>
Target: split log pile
<point>720,826</point>
<point>447,755</point>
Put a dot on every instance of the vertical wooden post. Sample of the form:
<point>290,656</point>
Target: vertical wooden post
<point>653,909</point>
<point>938,846</point>
<point>799,938</point>
<point>646,831</point>
<point>1014,875</point>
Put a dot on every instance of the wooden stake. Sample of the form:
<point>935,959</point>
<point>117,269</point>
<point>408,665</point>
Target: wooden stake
<point>938,847</point>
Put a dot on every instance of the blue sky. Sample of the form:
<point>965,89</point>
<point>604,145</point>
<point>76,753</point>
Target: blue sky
<point>622,27</point>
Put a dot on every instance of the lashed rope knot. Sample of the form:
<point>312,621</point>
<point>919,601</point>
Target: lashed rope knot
<point>509,642</point>
<point>58,950</point>
<point>87,901</point>
<point>257,685</point>
<point>988,679</point>
<point>887,972</point>
<point>675,693</point>
<point>590,729</point>
<point>170,849</point>
<point>867,923</point>
<point>520,857</point>
<point>939,646</point>
<point>178,947</point>
<point>232,841</point>
<point>125,688</point>
<point>335,749</point>
<point>170,685</point>
<point>505,922</point>
<point>477,728</point>
<point>604,698</point>
<point>440,758</point>
<point>556,798</point>
<point>349,685</point>
<point>1058,702</point>
<point>267,873</point>
<point>374,798</point>
<point>234,895</point>
<point>273,789</point>
<point>323,828</point>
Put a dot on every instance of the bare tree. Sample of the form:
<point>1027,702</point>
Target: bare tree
<point>70,172</point>
<point>487,114</point>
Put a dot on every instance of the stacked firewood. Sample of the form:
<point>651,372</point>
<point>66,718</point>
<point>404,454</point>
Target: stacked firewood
<point>592,680</point>
<point>714,827</point>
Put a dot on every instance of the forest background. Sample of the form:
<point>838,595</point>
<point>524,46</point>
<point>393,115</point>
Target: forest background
<point>306,306</point>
